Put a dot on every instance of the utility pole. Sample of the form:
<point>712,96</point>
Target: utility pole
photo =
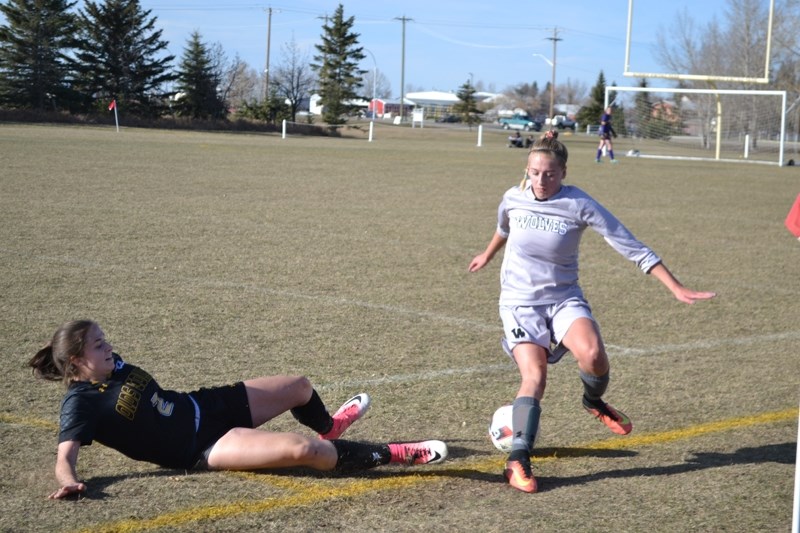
<point>266,70</point>
<point>403,19</point>
<point>555,40</point>
<point>324,55</point>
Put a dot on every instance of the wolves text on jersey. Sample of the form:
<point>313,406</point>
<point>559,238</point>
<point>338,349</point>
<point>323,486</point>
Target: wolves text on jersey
<point>541,223</point>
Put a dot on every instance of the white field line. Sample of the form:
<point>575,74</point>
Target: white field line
<point>332,300</point>
<point>613,350</point>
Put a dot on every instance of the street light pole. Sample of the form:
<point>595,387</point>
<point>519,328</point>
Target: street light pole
<point>374,81</point>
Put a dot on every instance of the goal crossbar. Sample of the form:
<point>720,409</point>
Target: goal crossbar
<point>699,77</point>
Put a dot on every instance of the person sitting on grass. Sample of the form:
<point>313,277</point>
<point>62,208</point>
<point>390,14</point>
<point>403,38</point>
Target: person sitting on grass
<point>515,141</point>
<point>121,406</point>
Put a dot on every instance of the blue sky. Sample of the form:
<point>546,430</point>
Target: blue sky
<point>447,41</point>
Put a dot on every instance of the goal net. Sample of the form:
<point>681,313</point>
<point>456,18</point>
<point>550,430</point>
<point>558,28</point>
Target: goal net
<point>706,124</point>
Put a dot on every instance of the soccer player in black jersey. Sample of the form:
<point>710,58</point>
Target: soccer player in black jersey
<point>121,405</point>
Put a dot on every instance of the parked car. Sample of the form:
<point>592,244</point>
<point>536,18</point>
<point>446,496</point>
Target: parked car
<point>449,118</point>
<point>520,122</point>
<point>563,122</point>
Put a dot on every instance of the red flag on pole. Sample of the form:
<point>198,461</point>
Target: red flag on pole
<point>793,218</point>
<point>112,105</point>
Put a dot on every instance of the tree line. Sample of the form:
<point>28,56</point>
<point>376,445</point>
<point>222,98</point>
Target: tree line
<point>56,58</point>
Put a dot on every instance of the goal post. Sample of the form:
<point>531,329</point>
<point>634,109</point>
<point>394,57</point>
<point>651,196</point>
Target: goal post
<point>706,124</point>
<point>679,76</point>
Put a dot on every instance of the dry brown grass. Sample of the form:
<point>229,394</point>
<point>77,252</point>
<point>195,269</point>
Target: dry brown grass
<point>214,257</point>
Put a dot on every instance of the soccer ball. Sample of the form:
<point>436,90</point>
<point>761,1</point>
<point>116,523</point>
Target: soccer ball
<point>500,429</point>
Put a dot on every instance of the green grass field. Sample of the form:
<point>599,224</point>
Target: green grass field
<point>209,258</point>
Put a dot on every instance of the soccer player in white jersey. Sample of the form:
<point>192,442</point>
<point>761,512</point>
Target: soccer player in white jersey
<point>540,223</point>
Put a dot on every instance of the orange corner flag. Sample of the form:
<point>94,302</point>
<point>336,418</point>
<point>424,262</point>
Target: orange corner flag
<point>793,218</point>
<point>112,105</point>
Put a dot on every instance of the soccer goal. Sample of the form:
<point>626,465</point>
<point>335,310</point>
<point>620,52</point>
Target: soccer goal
<point>637,32</point>
<point>704,124</point>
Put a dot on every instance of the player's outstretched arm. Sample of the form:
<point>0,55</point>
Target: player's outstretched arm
<point>682,293</point>
<point>480,260</point>
<point>66,474</point>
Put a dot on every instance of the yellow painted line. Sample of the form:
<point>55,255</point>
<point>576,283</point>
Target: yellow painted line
<point>304,495</point>
<point>636,441</point>
<point>6,418</point>
<point>309,496</point>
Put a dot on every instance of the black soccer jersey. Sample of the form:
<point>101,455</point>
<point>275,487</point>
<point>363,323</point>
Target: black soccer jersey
<point>130,413</point>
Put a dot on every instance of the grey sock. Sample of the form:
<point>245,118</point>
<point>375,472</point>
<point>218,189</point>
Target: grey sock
<point>525,422</point>
<point>594,386</point>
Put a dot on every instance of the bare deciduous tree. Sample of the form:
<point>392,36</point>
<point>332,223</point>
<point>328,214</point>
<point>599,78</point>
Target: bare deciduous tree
<point>383,88</point>
<point>572,92</point>
<point>236,80</point>
<point>294,78</point>
<point>241,83</point>
<point>525,96</point>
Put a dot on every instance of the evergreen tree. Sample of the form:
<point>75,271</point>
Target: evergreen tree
<point>34,42</point>
<point>466,106</point>
<point>593,110</point>
<point>620,120</point>
<point>198,83</point>
<point>643,113</point>
<point>337,68</point>
<point>272,110</point>
<point>121,55</point>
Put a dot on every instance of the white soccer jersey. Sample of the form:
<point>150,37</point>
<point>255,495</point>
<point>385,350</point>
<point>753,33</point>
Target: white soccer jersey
<point>540,264</point>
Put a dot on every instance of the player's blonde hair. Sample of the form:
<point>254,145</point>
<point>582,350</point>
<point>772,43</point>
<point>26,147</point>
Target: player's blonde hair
<point>548,143</point>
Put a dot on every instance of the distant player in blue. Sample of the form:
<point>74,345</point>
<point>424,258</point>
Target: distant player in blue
<point>121,406</point>
<point>542,307</point>
<point>606,131</point>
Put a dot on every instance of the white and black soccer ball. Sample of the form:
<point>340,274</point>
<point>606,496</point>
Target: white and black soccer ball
<point>501,430</point>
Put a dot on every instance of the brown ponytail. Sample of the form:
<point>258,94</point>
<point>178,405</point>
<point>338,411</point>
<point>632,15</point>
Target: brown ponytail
<point>54,361</point>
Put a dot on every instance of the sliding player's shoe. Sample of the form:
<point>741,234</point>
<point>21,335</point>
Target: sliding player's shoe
<point>518,474</point>
<point>617,421</point>
<point>418,453</point>
<point>349,412</point>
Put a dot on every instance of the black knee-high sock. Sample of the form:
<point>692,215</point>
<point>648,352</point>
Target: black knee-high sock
<point>525,419</point>
<point>360,456</point>
<point>314,414</point>
<point>594,386</point>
